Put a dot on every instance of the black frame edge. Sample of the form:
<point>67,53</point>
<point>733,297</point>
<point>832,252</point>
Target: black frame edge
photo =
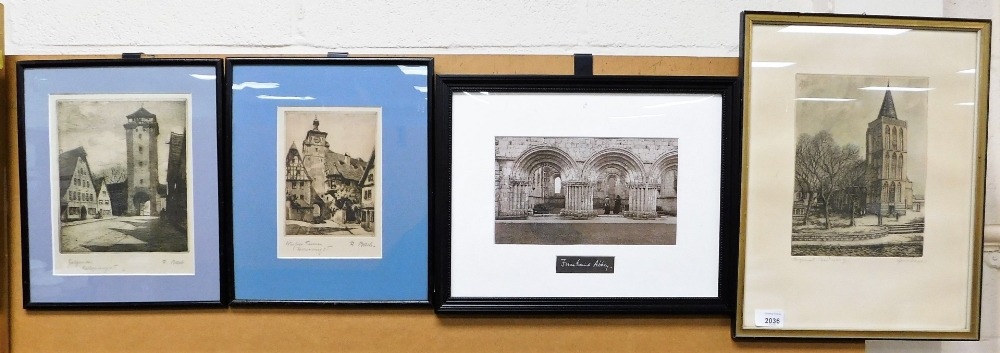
<point>738,198</point>
<point>230,285</point>
<point>222,138</point>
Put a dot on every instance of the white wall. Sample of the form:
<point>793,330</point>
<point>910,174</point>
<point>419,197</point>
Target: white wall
<point>635,27</point>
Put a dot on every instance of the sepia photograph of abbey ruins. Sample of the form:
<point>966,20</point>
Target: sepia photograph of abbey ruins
<point>860,166</point>
<point>329,182</point>
<point>585,190</point>
<point>122,174</point>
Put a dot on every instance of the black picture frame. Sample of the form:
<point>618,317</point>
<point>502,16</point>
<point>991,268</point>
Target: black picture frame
<point>213,70</point>
<point>449,85</point>
<point>331,298</point>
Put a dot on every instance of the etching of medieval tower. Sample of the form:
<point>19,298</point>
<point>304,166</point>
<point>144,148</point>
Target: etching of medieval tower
<point>314,149</point>
<point>886,141</point>
<point>141,132</point>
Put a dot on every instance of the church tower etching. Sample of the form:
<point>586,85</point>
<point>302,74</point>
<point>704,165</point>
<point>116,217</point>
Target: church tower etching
<point>886,141</point>
<point>314,149</point>
<point>141,132</point>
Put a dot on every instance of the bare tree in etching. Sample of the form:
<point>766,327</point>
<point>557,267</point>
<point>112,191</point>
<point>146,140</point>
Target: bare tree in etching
<point>806,172</point>
<point>859,179</point>
<point>828,165</point>
<point>114,175</point>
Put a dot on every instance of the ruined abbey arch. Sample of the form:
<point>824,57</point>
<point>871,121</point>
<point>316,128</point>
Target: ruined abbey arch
<point>663,172</point>
<point>640,194</point>
<point>526,170</point>
<point>519,178</point>
<point>626,162</point>
<point>538,156</point>
<point>663,166</point>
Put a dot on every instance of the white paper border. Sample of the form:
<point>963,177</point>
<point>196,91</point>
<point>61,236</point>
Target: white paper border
<point>334,247</point>
<point>120,263</point>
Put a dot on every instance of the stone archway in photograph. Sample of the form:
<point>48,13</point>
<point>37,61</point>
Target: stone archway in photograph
<point>663,172</point>
<point>545,189</point>
<point>589,169</point>
<point>638,196</point>
<point>526,178</point>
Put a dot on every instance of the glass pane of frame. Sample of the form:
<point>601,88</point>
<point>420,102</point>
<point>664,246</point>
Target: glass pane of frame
<point>583,193</point>
<point>112,151</point>
<point>863,176</point>
<point>330,180</point>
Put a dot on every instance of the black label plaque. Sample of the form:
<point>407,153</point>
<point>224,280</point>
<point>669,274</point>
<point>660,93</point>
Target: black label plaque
<point>585,264</point>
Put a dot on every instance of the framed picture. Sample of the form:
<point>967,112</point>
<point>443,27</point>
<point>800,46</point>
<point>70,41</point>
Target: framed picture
<point>864,142</point>
<point>112,152</point>
<point>586,193</point>
<point>330,180</point>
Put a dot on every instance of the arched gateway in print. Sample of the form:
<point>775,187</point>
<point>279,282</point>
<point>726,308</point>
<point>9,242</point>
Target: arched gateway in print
<point>580,178</point>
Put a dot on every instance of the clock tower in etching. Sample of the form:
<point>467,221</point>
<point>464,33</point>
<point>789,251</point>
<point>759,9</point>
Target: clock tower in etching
<point>314,149</point>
